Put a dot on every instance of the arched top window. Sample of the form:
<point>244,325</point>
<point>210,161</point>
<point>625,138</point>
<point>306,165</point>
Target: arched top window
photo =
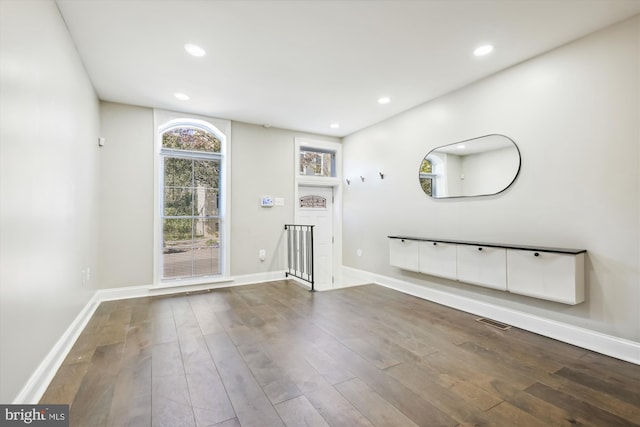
<point>426,166</point>
<point>426,176</point>
<point>191,138</point>
<point>192,200</point>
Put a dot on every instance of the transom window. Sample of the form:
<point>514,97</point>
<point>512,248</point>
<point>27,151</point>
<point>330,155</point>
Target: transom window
<point>317,162</point>
<point>191,162</point>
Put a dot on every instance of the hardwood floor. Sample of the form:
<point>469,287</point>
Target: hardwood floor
<point>275,354</point>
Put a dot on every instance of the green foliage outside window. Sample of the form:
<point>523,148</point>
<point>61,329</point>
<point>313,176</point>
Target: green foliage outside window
<point>426,182</point>
<point>177,229</point>
<point>426,166</point>
<point>192,139</point>
<point>190,185</point>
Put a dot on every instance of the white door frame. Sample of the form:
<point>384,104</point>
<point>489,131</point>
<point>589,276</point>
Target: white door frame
<point>334,182</point>
<point>323,236</point>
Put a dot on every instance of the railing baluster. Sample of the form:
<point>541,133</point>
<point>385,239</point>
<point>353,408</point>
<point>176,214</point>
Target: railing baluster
<point>288,246</point>
<point>300,252</point>
<point>308,254</point>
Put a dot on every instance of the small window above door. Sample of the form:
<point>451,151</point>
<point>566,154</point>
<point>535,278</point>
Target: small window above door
<point>317,162</point>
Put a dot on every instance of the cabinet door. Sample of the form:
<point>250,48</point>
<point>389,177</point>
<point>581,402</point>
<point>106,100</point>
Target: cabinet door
<point>552,276</point>
<point>438,259</point>
<point>403,253</point>
<point>482,265</point>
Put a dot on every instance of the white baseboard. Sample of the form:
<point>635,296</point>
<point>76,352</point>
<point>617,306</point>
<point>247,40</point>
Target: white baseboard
<point>150,290</point>
<point>37,384</point>
<point>596,341</point>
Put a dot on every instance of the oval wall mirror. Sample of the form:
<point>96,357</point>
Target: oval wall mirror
<point>481,166</point>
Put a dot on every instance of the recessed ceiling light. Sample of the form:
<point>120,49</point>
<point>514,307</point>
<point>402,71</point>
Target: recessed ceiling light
<point>483,50</point>
<point>181,96</point>
<point>460,147</point>
<point>384,100</point>
<point>194,50</point>
<point>334,125</point>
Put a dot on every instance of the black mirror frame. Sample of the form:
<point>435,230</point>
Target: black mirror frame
<point>475,195</point>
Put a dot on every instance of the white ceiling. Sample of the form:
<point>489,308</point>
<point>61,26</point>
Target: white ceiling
<point>305,64</point>
<point>478,145</point>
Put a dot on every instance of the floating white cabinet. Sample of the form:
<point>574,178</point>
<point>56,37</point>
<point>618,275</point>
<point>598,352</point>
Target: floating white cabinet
<point>482,265</point>
<point>404,253</point>
<point>548,273</point>
<point>438,259</point>
<point>552,276</point>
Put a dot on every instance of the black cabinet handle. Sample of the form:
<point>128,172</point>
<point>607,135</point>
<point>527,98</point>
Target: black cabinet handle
<point>479,249</point>
<point>536,254</point>
<point>434,243</point>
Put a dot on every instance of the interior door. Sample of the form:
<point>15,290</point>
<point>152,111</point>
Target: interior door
<point>315,207</point>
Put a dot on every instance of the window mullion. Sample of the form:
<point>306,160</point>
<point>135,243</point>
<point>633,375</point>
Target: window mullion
<point>193,219</point>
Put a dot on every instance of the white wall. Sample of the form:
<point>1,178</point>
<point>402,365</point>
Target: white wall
<point>579,102</point>
<point>453,171</point>
<point>261,164</point>
<point>126,196</point>
<point>489,172</point>
<point>49,128</point>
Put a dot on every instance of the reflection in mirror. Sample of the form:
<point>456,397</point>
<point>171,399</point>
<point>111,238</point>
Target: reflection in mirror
<point>480,166</point>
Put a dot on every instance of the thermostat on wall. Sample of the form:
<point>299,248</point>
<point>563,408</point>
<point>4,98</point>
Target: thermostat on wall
<point>266,201</point>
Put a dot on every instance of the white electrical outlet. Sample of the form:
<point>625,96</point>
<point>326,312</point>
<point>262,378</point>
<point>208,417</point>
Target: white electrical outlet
<point>262,254</point>
<point>359,252</point>
<point>88,274</point>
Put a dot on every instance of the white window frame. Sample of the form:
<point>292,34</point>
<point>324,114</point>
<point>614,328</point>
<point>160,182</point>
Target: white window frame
<point>164,120</point>
<point>321,146</point>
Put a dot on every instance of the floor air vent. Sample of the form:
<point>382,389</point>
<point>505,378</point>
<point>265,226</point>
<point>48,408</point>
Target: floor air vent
<point>494,323</point>
<point>203,291</point>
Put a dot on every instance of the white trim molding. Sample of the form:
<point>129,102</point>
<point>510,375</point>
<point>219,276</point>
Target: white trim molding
<point>609,345</point>
<point>334,182</point>
<point>37,384</point>
<point>151,290</point>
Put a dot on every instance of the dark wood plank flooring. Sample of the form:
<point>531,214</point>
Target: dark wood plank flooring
<point>274,354</point>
